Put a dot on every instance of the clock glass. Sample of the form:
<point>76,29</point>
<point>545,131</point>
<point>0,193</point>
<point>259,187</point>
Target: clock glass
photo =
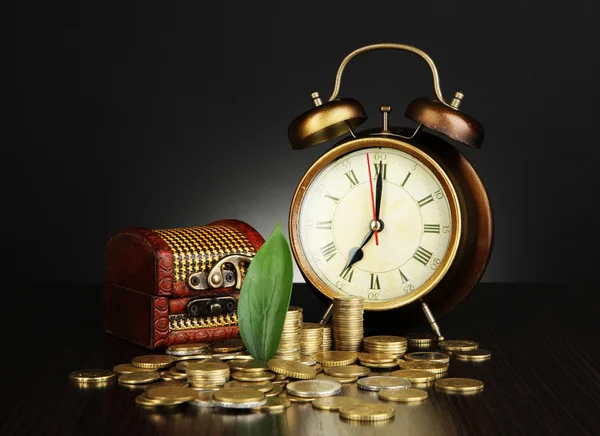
<point>389,261</point>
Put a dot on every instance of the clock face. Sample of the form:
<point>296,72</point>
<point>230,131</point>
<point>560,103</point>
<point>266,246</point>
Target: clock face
<point>418,212</point>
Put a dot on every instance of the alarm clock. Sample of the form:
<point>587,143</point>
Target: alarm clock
<point>396,215</point>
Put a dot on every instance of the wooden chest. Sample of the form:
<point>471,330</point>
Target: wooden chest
<point>179,285</point>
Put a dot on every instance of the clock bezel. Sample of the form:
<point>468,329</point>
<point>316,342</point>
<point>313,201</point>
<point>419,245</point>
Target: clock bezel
<point>337,152</point>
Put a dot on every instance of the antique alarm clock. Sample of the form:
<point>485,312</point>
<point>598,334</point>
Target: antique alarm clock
<point>395,215</point>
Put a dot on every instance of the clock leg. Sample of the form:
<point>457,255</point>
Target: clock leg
<point>326,315</point>
<point>432,322</point>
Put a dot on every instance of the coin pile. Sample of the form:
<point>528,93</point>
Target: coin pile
<point>312,338</point>
<point>385,344</point>
<point>348,331</point>
<point>290,344</point>
<point>327,341</point>
<point>207,374</point>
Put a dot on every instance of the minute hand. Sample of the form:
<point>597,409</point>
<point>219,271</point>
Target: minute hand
<point>378,191</point>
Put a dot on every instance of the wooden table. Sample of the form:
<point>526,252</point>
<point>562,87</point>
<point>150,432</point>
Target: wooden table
<point>543,377</point>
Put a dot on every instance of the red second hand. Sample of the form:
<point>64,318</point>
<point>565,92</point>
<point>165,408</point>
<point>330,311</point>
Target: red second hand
<point>372,197</point>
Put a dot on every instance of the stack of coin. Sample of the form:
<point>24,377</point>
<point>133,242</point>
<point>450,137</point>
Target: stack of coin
<point>326,338</point>
<point>312,338</point>
<point>347,323</point>
<point>207,374</point>
<point>291,338</point>
<point>395,345</point>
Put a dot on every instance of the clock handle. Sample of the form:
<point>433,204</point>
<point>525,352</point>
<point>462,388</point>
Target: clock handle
<point>432,322</point>
<point>385,46</point>
<point>326,315</point>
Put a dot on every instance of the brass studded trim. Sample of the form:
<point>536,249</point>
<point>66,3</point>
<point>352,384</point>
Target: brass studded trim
<point>185,322</point>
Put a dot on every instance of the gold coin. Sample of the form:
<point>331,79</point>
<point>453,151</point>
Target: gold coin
<point>175,358</point>
<point>176,374</point>
<point>274,404</point>
<point>208,367</point>
<point>402,395</point>
<point>291,369</point>
<point>144,400</point>
<point>415,375</point>
<point>277,389</point>
<point>308,360</point>
<point>420,339</point>
<point>385,340</point>
<point>335,403</point>
<point>152,361</point>
<point>238,395</point>
<point>171,394</point>
<point>458,345</point>
<point>376,357</point>
<point>367,412</point>
<point>337,378</point>
<point>128,368</point>
<point>459,385</point>
<point>477,355</point>
<point>92,375</point>
<point>380,365</point>
<point>428,355</point>
<point>264,386</point>
<point>188,348</point>
<point>295,399</point>
<point>170,383</point>
<point>203,399</point>
<point>347,371</point>
<point>434,367</point>
<point>228,346</point>
<point>137,378</point>
<point>335,358</point>
<point>248,365</point>
<point>253,376</point>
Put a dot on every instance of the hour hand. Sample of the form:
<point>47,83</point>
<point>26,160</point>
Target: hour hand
<point>356,253</point>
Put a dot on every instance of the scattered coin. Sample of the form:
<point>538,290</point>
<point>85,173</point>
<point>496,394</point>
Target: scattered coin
<point>335,358</point>
<point>379,382</point>
<point>128,368</point>
<point>475,355</point>
<point>420,340</point>
<point>457,345</point>
<point>291,369</point>
<point>335,403</point>
<point>459,384</point>
<point>295,399</point>
<point>367,412</point>
<point>314,388</point>
<point>228,346</point>
<point>308,360</point>
<point>428,355</point>
<point>386,365</point>
<point>264,386</point>
<point>170,383</point>
<point>238,398</point>
<point>347,371</point>
<point>337,379</point>
<point>152,361</point>
<point>187,349</point>
<point>253,376</point>
<point>248,365</point>
<point>92,375</point>
<point>137,378</point>
<point>274,404</point>
<point>402,395</point>
<point>277,389</point>
<point>415,375</point>
<point>144,400</point>
<point>171,394</point>
<point>376,357</point>
<point>203,399</point>
<point>434,367</point>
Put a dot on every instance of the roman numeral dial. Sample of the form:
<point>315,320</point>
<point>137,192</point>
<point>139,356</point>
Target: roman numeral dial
<point>335,216</point>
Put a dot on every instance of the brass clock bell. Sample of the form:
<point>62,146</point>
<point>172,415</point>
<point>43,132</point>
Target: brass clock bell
<point>395,215</point>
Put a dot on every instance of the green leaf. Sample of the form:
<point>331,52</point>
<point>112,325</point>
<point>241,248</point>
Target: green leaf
<point>265,296</point>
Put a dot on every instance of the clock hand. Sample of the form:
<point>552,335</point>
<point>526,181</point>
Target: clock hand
<point>356,253</point>
<point>378,191</point>
<point>372,198</point>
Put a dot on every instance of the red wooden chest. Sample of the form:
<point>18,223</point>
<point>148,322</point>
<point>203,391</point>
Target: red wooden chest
<point>179,285</point>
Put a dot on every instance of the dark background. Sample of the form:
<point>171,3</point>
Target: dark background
<point>174,114</point>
